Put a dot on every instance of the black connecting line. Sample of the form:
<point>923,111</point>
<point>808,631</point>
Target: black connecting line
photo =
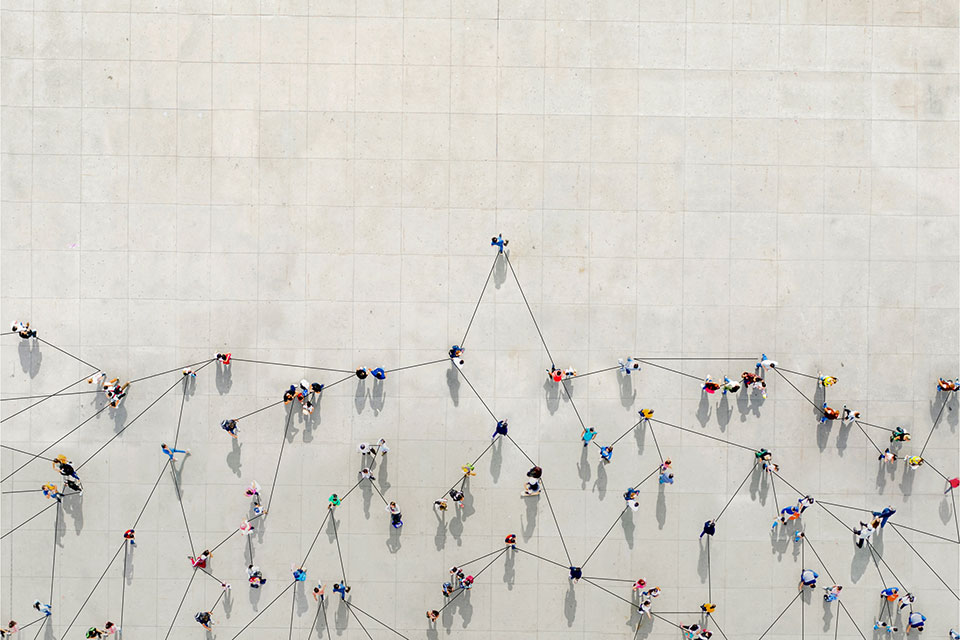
<point>532,317</point>
<point>476,307</point>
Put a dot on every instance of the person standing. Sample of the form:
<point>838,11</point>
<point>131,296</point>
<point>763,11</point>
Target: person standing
<point>230,426</point>
<point>511,541</point>
<point>501,429</point>
<point>709,528</point>
<point>496,241</point>
<point>341,588</point>
<point>587,435</point>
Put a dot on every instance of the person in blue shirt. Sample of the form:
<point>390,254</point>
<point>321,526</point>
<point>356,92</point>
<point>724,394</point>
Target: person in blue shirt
<point>588,434</point>
<point>379,373</point>
<point>915,621</point>
<point>498,241</point>
<point>808,578</point>
<point>606,453</point>
<point>666,478</point>
<point>501,429</point>
<point>884,515</point>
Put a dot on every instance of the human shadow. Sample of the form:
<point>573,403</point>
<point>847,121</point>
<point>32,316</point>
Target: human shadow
<point>704,410</point>
<point>529,521</point>
<point>600,484</point>
<point>703,564</point>
<point>496,459</point>
<point>254,596</point>
<point>570,605</point>
<point>583,469</point>
<point>627,393</point>
<point>359,400</point>
<point>509,571</point>
<point>551,394</point>
<point>500,271</point>
<point>823,434</point>
<point>234,460</point>
<point>393,540</point>
<point>119,415</point>
<point>946,510</point>
<point>377,396</point>
<point>661,507</point>
<point>724,412</point>
<point>366,491</point>
<point>30,357</point>
<point>440,537</point>
<point>906,482</point>
<point>468,499</point>
<point>453,384</point>
<point>843,434</point>
<point>224,378</point>
<point>300,598</point>
<point>73,507</point>
<point>628,526</point>
<point>859,563</point>
<point>128,563</point>
<point>383,471</point>
<point>827,616</point>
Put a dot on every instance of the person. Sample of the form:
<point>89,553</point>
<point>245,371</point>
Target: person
<point>915,621</point>
<point>115,392</point>
<point>382,448</point>
<point>887,456</point>
<point>433,615</point>
<point>252,491</point>
<point>23,329</point>
<point>94,632</point>
<point>455,351</point>
<point>828,413</point>
<point>334,501</point>
<point>289,395</point>
<point>395,515</point>
<point>826,381</point>
<point>501,429</point>
<point>511,541</point>
<point>129,536</point>
<point>440,505</point>
<point>639,584</point>
<point>316,388</point>
<point>167,450</point>
<point>555,374</point>
<point>200,562</point>
<point>342,589</point>
<point>942,385</point>
<point>66,469</point>
<point>729,386</point>
<point>361,372</point>
<point>50,490</point>
<point>654,592</point>
<point>808,578</point>
<point>246,528</point>
<point>804,502</point>
<point>307,409</point>
<point>695,632</point>
<point>789,512</point>
<point>884,515</point>
<point>230,426</point>
<point>535,472</point>
<point>628,366</point>
<point>954,635</point>
<point>645,607</point>
<point>110,628</point>
<point>606,453</point>
<point>881,625</point>
<point>755,382</point>
<point>863,533</point>
<point>188,372</point>
<point>890,593</point>
<point>457,496</point>
<point>666,478</point>
<point>318,592</point>
<point>467,583</point>
<point>832,593</point>
<point>588,434</point>
<point>763,454</point>
<point>366,474</point>
<point>952,484</point>
<point>447,589</point>
<point>766,363</point>
<point>798,535</point>
<point>205,619</point>
<point>906,600</point>
<point>569,372</point>
<point>45,609</point>
<point>255,576</point>
<point>630,494</point>
<point>709,385</point>
<point>770,467</point>
<point>708,607</point>
<point>379,373</point>
<point>899,435</point>
<point>364,449</point>
<point>468,469</point>
<point>499,242</point>
<point>575,574</point>
<point>224,358</point>
<point>849,416</point>
<point>531,488</point>
<point>709,528</point>
<point>914,462</point>
<point>645,414</point>
<point>98,379</point>
<point>299,574</point>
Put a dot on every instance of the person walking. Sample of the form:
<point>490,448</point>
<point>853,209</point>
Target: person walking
<point>230,426</point>
<point>500,429</point>
<point>890,594</point>
<point>366,474</point>
<point>915,621</point>
<point>200,562</point>
<point>457,496</point>
<point>224,358</point>
<point>341,588</point>
<point>587,435</point>
<point>255,576</point>
<point>884,515</point>
<point>887,456</point>
<point>23,329</point>
<point>167,450</point>
<point>382,448</point>
<point>906,600</point>
<point>832,593</point>
<point>808,578</point>
<point>606,453</point>
<point>205,618</point>
<point>628,366</point>
<point>50,490</point>
<point>318,592</point>
<point>45,609</point>
<point>379,373</point>
<point>433,615</point>
<point>334,501</point>
<point>730,386</point>
<point>666,478</point>
<point>395,515</point>
<point>899,435</point>
<point>709,528</point>
<point>361,372</point>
